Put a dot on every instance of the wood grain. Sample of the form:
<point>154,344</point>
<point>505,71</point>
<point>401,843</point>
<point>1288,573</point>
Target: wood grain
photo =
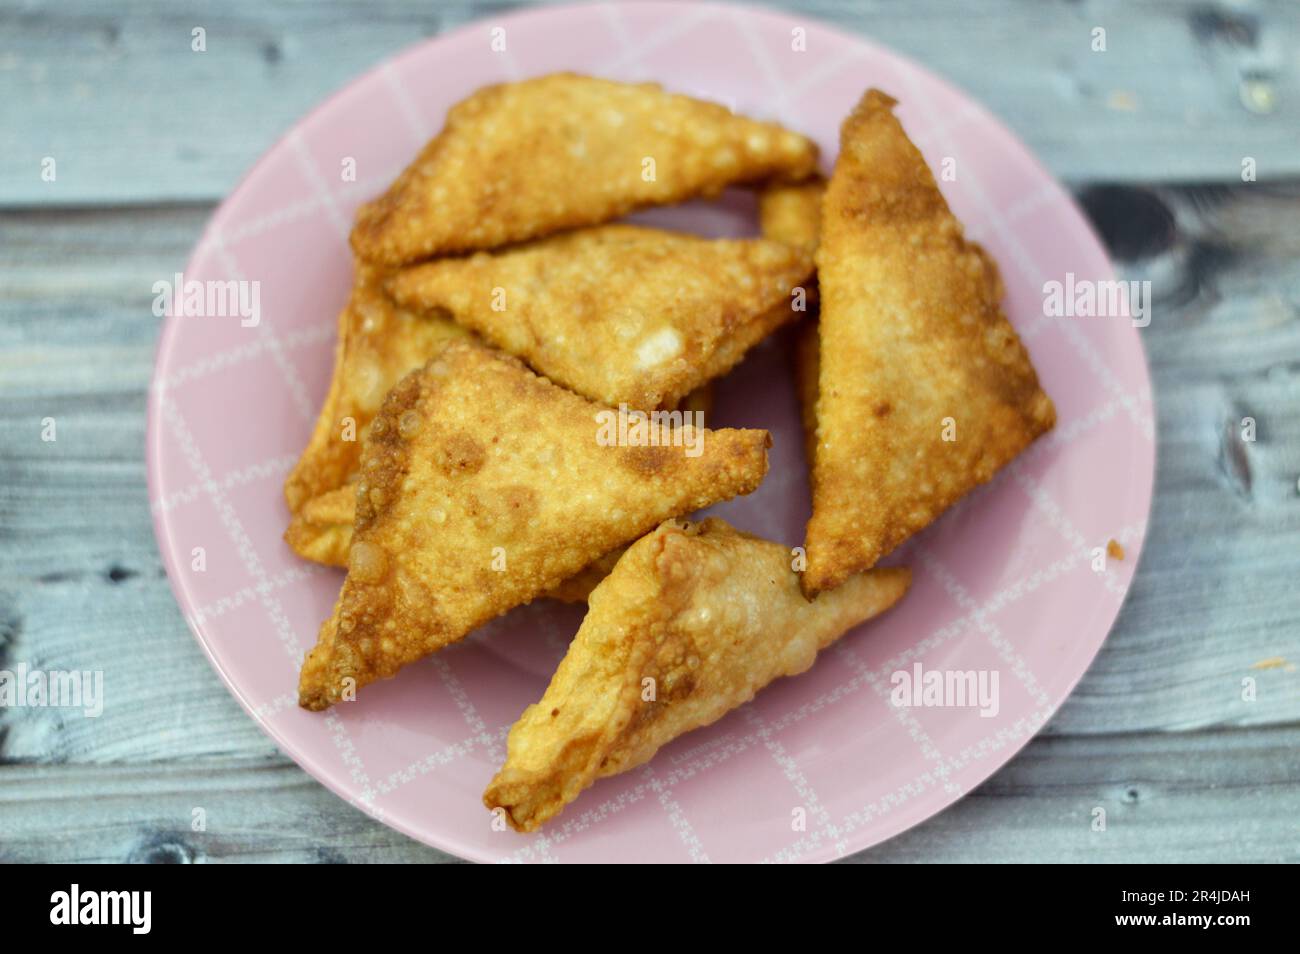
<point>1165,101</point>
<point>1194,797</point>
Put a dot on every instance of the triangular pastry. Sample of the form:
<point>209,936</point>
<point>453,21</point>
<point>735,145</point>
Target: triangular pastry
<point>924,388</point>
<point>321,529</point>
<point>621,314</point>
<point>482,486</point>
<point>691,623</point>
<point>521,160</point>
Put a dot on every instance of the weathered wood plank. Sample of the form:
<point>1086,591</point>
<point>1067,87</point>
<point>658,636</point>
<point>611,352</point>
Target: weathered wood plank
<point>1215,594</point>
<point>82,579</point>
<point>1157,792</point>
<point>1212,797</point>
<point>1183,91</point>
<point>255,811</point>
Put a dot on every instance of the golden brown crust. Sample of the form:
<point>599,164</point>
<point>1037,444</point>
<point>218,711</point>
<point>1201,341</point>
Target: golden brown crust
<point>807,361</point>
<point>481,487</point>
<point>322,531</point>
<point>791,212</point>
<point>521,160</point>
<point>911,338</point>
<point>378,343</point>
<point>621,314</point>
<point>691,623</point>
<point>577,588</point>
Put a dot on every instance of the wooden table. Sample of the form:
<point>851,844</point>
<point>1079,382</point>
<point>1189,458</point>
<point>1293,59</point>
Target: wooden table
<point>1150,134</point>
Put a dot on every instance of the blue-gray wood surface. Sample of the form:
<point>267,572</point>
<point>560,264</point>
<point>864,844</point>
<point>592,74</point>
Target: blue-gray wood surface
<point>1150,136</point>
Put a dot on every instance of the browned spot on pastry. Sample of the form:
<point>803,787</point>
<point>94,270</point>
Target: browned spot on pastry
<point>460,453</point>
<point>521,505</point>
<point>648,461</point>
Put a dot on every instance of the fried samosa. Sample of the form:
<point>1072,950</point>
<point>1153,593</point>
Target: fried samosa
<point>924,388</point>
<point>621,314</point>
<point>321,530</point>
<point>482,486</point>
<point>522,160</point>
<point>691,623</point>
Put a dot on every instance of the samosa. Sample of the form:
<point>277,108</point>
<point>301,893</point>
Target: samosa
<point>924,389</point>
<point>621,314</point>
<point>693,620</point>
<point>482,486</point>
<point>521,160</point>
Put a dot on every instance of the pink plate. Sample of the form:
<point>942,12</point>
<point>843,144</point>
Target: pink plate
<point>818,766</point>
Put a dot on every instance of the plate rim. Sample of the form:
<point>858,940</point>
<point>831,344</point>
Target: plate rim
<point>898,822</point>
